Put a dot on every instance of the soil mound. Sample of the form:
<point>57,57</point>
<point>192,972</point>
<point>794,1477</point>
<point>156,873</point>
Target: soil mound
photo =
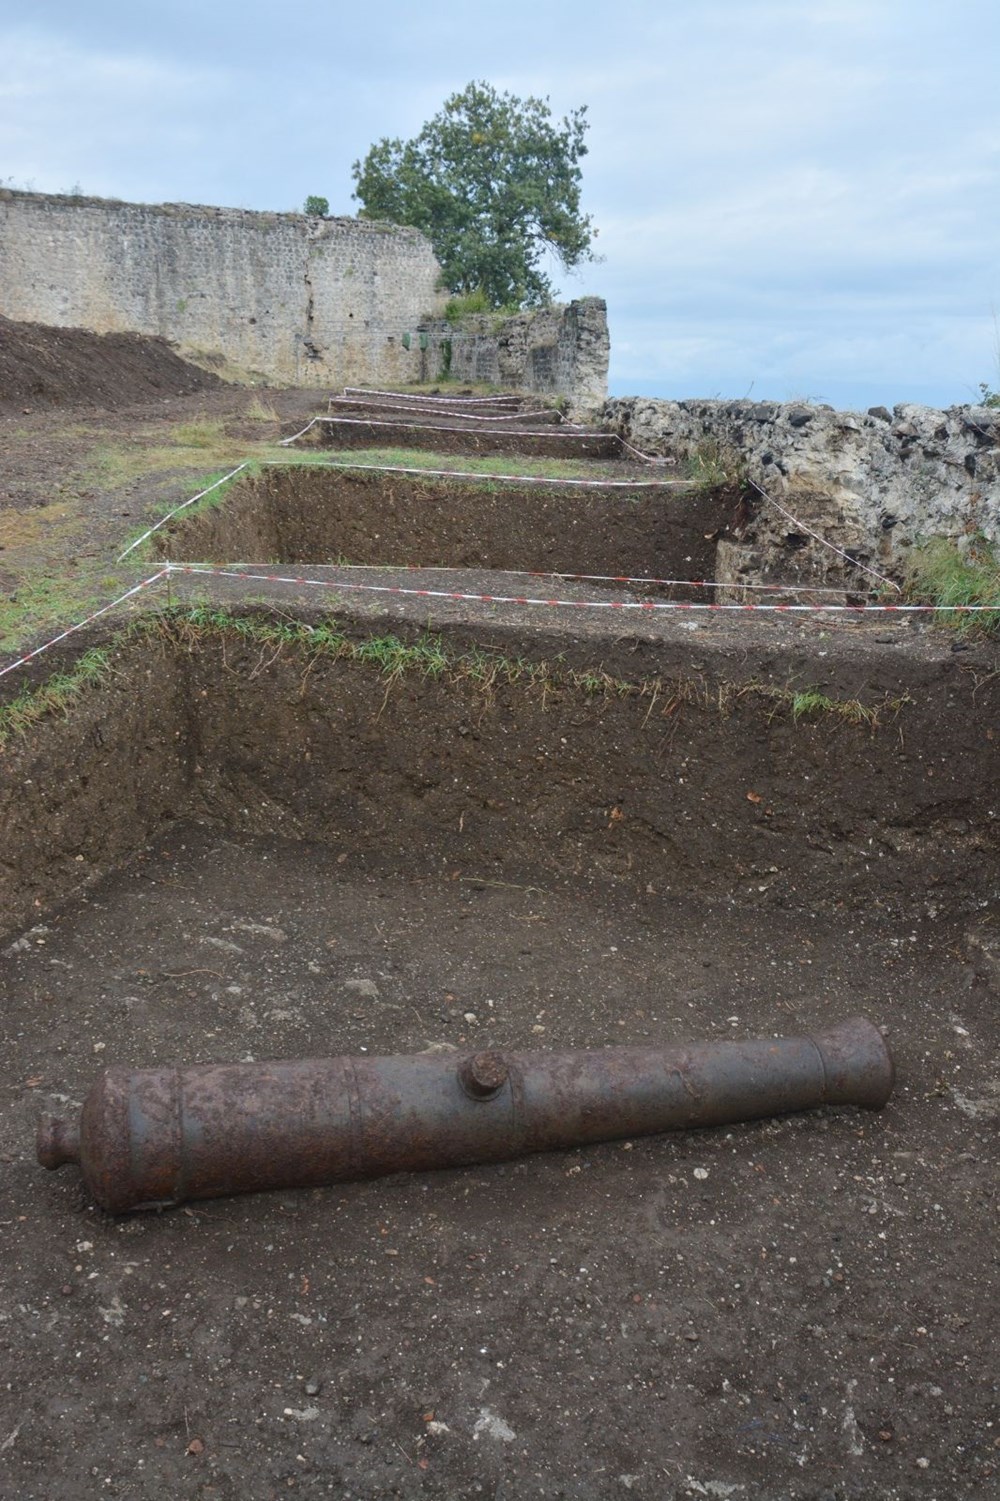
<point>74,367</point>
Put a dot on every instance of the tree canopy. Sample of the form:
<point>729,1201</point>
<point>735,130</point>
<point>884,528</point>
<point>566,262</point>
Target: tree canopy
<point>494,183</point>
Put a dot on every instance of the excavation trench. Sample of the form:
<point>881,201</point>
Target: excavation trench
<point>268,840</point>
<point>314,514</point>
<point>724,777</point>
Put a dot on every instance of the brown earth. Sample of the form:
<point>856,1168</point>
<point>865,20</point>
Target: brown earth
<point>41,366</point>
<point>235,847</point>
<point>310,514</point>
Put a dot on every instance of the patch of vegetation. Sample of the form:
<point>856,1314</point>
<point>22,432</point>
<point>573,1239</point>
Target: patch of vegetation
<point>42,602</point>
<point>261,411</point>
<point>316,207</point>
<point>53,696</point>
<point>813,703</point>
<point>511,465</point>
<point>457,308</point>
<point>942,573</point>
<point>713,466</point>
<point>203,432</point>
<point>429,656</point>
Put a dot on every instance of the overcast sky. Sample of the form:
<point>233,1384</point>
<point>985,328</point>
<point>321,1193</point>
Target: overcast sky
<point>795,198</point>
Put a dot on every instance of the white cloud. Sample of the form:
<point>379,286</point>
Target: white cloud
<point>66,111</point>
<point>785,192</point>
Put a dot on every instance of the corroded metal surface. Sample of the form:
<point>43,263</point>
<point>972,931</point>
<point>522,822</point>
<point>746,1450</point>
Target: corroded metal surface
<point>157,1137</point>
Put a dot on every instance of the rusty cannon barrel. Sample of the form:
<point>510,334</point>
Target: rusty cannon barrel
<point>156,1137</point>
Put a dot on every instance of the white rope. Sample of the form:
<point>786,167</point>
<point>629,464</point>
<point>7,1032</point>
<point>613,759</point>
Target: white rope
<point>816,536</point>
<point>183,507</point>
<point>72,630</point>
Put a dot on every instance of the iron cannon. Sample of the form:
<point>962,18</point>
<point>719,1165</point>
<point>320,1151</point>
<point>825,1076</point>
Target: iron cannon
<point>156,1137</point>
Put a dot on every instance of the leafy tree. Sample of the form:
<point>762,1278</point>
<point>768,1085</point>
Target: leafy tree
<point>315,207</point>
<point>493,182</point>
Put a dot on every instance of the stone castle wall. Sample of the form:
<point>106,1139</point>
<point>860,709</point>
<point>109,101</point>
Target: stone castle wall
<point>874,484</point>
<point>294,299</point>
<point>299,300</point>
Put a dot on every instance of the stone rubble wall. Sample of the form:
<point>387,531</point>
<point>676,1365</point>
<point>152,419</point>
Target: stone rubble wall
<point>875,484</point>
<point>561,350</point>
<point>295,299</point>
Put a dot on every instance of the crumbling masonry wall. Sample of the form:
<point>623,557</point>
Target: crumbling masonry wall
<point>873,484</point>
<point>299,300</point>
<point>561,350</point>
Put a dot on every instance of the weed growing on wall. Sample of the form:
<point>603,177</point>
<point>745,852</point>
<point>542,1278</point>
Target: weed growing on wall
<point>713,466</point>
<point>942,573</point>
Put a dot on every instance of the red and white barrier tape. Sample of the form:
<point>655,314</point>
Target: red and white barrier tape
<point>403,396</point>
<point>569,604</point>
<point>518,416</point>
<point>245,574</point>
<point>430,427</point>
<point>182,507</point>
<point>582,578</point>
<point>71,631</point>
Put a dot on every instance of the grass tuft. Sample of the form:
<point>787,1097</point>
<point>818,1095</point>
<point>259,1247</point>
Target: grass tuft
<point>942,573</point>
<point>55,695</point>
<point>204,432</point>
<point>712,466</point>
<point>261,411</point>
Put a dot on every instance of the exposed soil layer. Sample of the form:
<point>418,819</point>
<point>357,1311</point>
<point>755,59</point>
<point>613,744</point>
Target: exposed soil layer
<point>642,769</point>
<point>310,514</point>
<point>546,442</point>
<point>74,367</point>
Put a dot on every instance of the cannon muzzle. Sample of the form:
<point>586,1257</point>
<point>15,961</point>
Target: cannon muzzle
<point>156,1137</point>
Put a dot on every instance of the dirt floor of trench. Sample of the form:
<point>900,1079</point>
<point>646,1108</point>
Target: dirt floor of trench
<point>234,849</point>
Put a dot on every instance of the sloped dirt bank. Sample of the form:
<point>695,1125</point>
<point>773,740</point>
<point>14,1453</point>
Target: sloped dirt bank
<point>42,366</point>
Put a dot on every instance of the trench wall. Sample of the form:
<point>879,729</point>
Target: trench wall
<point>309,514</point>
<point>706,785</point>
<point>300,300</point>
<point>874,484</point>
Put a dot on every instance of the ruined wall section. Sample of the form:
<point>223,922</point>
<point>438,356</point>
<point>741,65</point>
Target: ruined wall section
<point>561,350</point>
<point>299,300</point>
<point>874,484</point>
